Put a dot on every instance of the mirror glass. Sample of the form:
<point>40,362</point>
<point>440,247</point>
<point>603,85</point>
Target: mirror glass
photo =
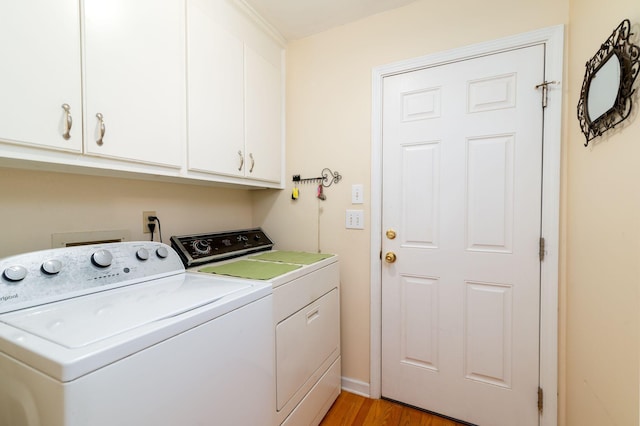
<point>603,88</point>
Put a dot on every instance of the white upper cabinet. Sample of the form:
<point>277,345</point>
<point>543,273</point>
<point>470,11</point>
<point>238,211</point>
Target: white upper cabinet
<point>263,117</point>
<point>40,72</point>
<point>216,93</point>
<point>134,80</point>
<point>90,85</point>
<point>235,92</point>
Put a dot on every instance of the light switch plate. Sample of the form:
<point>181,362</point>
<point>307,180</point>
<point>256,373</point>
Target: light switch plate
<point>357,196</point>
<point>354,219</point>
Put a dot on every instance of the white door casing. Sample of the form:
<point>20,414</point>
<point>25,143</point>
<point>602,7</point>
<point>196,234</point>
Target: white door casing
<point>462,165</point>
<point>552,39</point>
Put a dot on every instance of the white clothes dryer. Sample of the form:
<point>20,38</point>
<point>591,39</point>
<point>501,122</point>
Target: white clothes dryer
<point>306,320</point>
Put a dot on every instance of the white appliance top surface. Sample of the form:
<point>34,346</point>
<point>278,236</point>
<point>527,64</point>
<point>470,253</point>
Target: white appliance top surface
<point>72,337</point>
<point>274,282</point>
<point>85,320</point>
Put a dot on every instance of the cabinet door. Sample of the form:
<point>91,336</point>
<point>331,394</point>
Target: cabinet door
<point>263,118</point>
<point>216,93</point>
<point>134,76</point>
<point>40,71</point>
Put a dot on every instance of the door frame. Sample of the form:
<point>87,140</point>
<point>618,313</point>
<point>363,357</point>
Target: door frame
<point>553,39</point>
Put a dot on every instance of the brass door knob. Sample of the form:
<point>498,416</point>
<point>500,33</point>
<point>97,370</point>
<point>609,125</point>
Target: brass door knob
<point>391,234</point>
<point>390,257</point>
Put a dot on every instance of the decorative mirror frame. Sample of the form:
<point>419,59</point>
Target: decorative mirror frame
<point>628,54</point>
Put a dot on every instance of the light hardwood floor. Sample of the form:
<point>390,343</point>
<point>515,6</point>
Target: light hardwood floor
<point>354,410</point>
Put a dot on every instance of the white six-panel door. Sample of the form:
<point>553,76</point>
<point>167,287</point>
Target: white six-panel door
<point>462,167</point>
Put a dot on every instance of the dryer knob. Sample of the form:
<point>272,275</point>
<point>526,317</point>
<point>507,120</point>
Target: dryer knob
<point>162,252</point>
<point>15,273</point>
<point>52,266</point>
<point>142,254</point>
<point>202,246</point>
<point>102,258</point>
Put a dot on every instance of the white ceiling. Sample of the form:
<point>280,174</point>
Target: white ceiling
<point>300,18</point>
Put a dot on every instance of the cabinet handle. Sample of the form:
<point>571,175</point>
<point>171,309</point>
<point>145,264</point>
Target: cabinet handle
<point>102,128</point>
<point>68,122</point>
<point>253,162</point>
<point>241,160</point>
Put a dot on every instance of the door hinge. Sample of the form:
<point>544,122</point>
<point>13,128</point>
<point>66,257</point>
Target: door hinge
<point>541,251</point>
<point>540,399</point>
<point>545,91</point>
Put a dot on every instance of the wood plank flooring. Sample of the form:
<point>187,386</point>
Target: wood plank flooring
<point>354,410</point>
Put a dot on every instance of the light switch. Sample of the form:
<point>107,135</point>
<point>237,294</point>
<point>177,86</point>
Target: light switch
<point>355,219</point>
<point>357,196</point>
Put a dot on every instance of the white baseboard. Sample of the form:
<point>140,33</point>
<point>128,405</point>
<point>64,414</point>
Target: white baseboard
<point>356,386</point>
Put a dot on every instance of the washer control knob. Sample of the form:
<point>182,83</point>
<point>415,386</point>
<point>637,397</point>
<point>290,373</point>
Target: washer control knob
<point>142,254</point>
<point>102,258</point>
<point>162,252</point>
<point>15,273</point>
<point>51,266</point>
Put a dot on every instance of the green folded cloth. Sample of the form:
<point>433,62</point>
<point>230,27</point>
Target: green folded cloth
<point>251,269</point>
<point>297,257</point>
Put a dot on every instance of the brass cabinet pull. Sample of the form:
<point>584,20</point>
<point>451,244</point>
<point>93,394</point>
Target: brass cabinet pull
<point>68,122</point>
<point>390,257</point>
<point>102,128</point>
<point>253,162</point>
<point>241,160</point>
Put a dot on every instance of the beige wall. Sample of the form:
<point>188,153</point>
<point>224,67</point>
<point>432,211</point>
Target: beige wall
<point>33,205</point>
<point>328,114</point>
<point>603,241</point>
<point>329,125</point>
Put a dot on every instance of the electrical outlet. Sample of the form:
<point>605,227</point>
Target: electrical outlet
<point>355,219</point>
<point>145,221</point>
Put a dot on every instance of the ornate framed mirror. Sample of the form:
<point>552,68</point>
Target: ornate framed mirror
<point>605,99</point>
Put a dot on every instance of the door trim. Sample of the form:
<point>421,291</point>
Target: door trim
<point>553,39</point>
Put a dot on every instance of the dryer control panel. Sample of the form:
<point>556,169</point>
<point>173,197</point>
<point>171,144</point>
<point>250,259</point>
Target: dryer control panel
<point>197,249</point>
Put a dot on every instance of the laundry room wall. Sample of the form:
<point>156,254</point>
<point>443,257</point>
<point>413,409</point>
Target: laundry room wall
<point>602,227</point>
<point>329,125</point>
<point>328,116</point>
<point>34,205</point>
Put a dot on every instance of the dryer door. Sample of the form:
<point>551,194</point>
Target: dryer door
<point>304,341</point>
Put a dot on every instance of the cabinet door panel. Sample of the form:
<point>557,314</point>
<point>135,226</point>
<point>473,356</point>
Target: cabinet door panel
<point>40,71</point>
<point>134,72</point>
<point>263,117</point>
<point>216,93</point>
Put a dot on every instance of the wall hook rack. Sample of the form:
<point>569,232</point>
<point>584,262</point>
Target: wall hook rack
<point>327,178</point>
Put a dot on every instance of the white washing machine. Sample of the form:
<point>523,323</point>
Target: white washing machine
<point>306,320</point>
<point>120,334</point>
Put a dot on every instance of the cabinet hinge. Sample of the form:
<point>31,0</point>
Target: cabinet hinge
<point>541,251</point>
<point>545,91</point>
<point>540,399</point>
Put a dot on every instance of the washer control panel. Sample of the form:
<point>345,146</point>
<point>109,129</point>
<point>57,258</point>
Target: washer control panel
<point>197,249</point>
<point>46,276</point>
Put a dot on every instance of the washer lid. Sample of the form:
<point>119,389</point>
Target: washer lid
<point>85,320</point>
